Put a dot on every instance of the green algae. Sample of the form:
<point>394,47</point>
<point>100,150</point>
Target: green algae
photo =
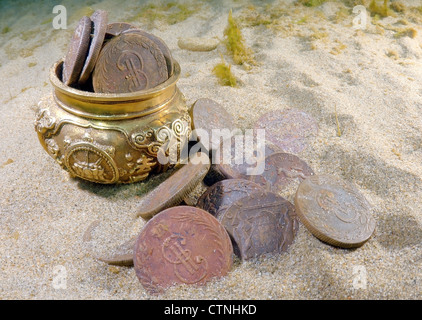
<point>235,43</point>
<point>312,3</point>
<point>166,12</point>
<point>5,30</point>
<point>224,74</point>
<point>406,32</point>
<point>382,10</point>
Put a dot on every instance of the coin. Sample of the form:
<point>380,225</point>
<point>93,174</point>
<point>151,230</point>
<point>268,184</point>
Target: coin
<point>229,169</point>
<point>282,170</point>
<point>288,129</point>
<point>127,63</point>
<point>99,21</point>
<point>222,194</point>
<point>181,245</point>
<point>122,255</point>
<point>172,190</point>
<point>260,223</point>
<point>236,161</point>
<point>213,176</point>
<point>192,198</point>
<point>161,45</point>
<point>116,28</point>
<point>211,121</point>
<point>334,211</point>
<point>77,52</point>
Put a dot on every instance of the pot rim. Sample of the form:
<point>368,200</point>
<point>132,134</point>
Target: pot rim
<point>112,106</point>
<point>135,95</point>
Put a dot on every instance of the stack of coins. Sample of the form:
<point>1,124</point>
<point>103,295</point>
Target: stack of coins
<point>255,220</point>
<point>115,57</point>
<point>250,207</point>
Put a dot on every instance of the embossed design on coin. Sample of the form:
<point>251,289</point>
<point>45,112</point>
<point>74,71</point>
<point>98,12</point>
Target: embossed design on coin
<point>240,163</point>
<point>281,171</point>
<point>209,116</point>
<point>289,129</point>
<point>181,245</point>
<point>261,223</point>
<point>128,63</point>
<point>172,191</point>
<point>91,162</point>
<point>99,19</point>
<point>187,269</point>
<point>334,211</point>
<point>77,52</point>
<point>224,193</point>
<point>116,28</point>
<point>161,45</point>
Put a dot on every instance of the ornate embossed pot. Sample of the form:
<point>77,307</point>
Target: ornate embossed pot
<point>111,138</point>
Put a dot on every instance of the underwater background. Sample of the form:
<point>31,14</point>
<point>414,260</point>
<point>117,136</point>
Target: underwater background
<point>362,85</point>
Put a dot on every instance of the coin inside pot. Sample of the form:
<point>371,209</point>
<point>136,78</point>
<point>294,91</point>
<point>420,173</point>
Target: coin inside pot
<point>77,52</point>
<point>99,20</point>
<point>129,62</point>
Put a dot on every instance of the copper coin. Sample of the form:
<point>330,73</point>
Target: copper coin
<point>222,194</point>
<point>99,21</point>
<point>334,211</point>
<point>261,223</point>
<point>122,255</point>
<point>192,198</point>
<point>172,190</point>
<point>213,176</point>
<point>235,160</point>
<point>116,28</point>
<point>288,129</point>
<point>210,120</point>
<point>77,52</point>
<point>160,43</point>
<point>128,63</point>
<point>181,245</point>
<point>281,171</point>
<point>223,169</point>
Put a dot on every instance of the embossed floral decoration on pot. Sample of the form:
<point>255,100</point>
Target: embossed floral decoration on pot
<point>111,138</point>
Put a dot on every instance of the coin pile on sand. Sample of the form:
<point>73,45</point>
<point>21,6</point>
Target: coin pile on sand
<point>115,57</point>
<point>256,217</point>
<point>239,209</point>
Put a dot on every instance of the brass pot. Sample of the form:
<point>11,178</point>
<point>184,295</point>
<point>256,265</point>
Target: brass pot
<point>111,138</point>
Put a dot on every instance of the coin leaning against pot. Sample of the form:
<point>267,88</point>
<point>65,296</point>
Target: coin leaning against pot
<point>115,57</point>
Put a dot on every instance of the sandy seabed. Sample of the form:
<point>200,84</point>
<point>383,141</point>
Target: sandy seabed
<point>311,59</point>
